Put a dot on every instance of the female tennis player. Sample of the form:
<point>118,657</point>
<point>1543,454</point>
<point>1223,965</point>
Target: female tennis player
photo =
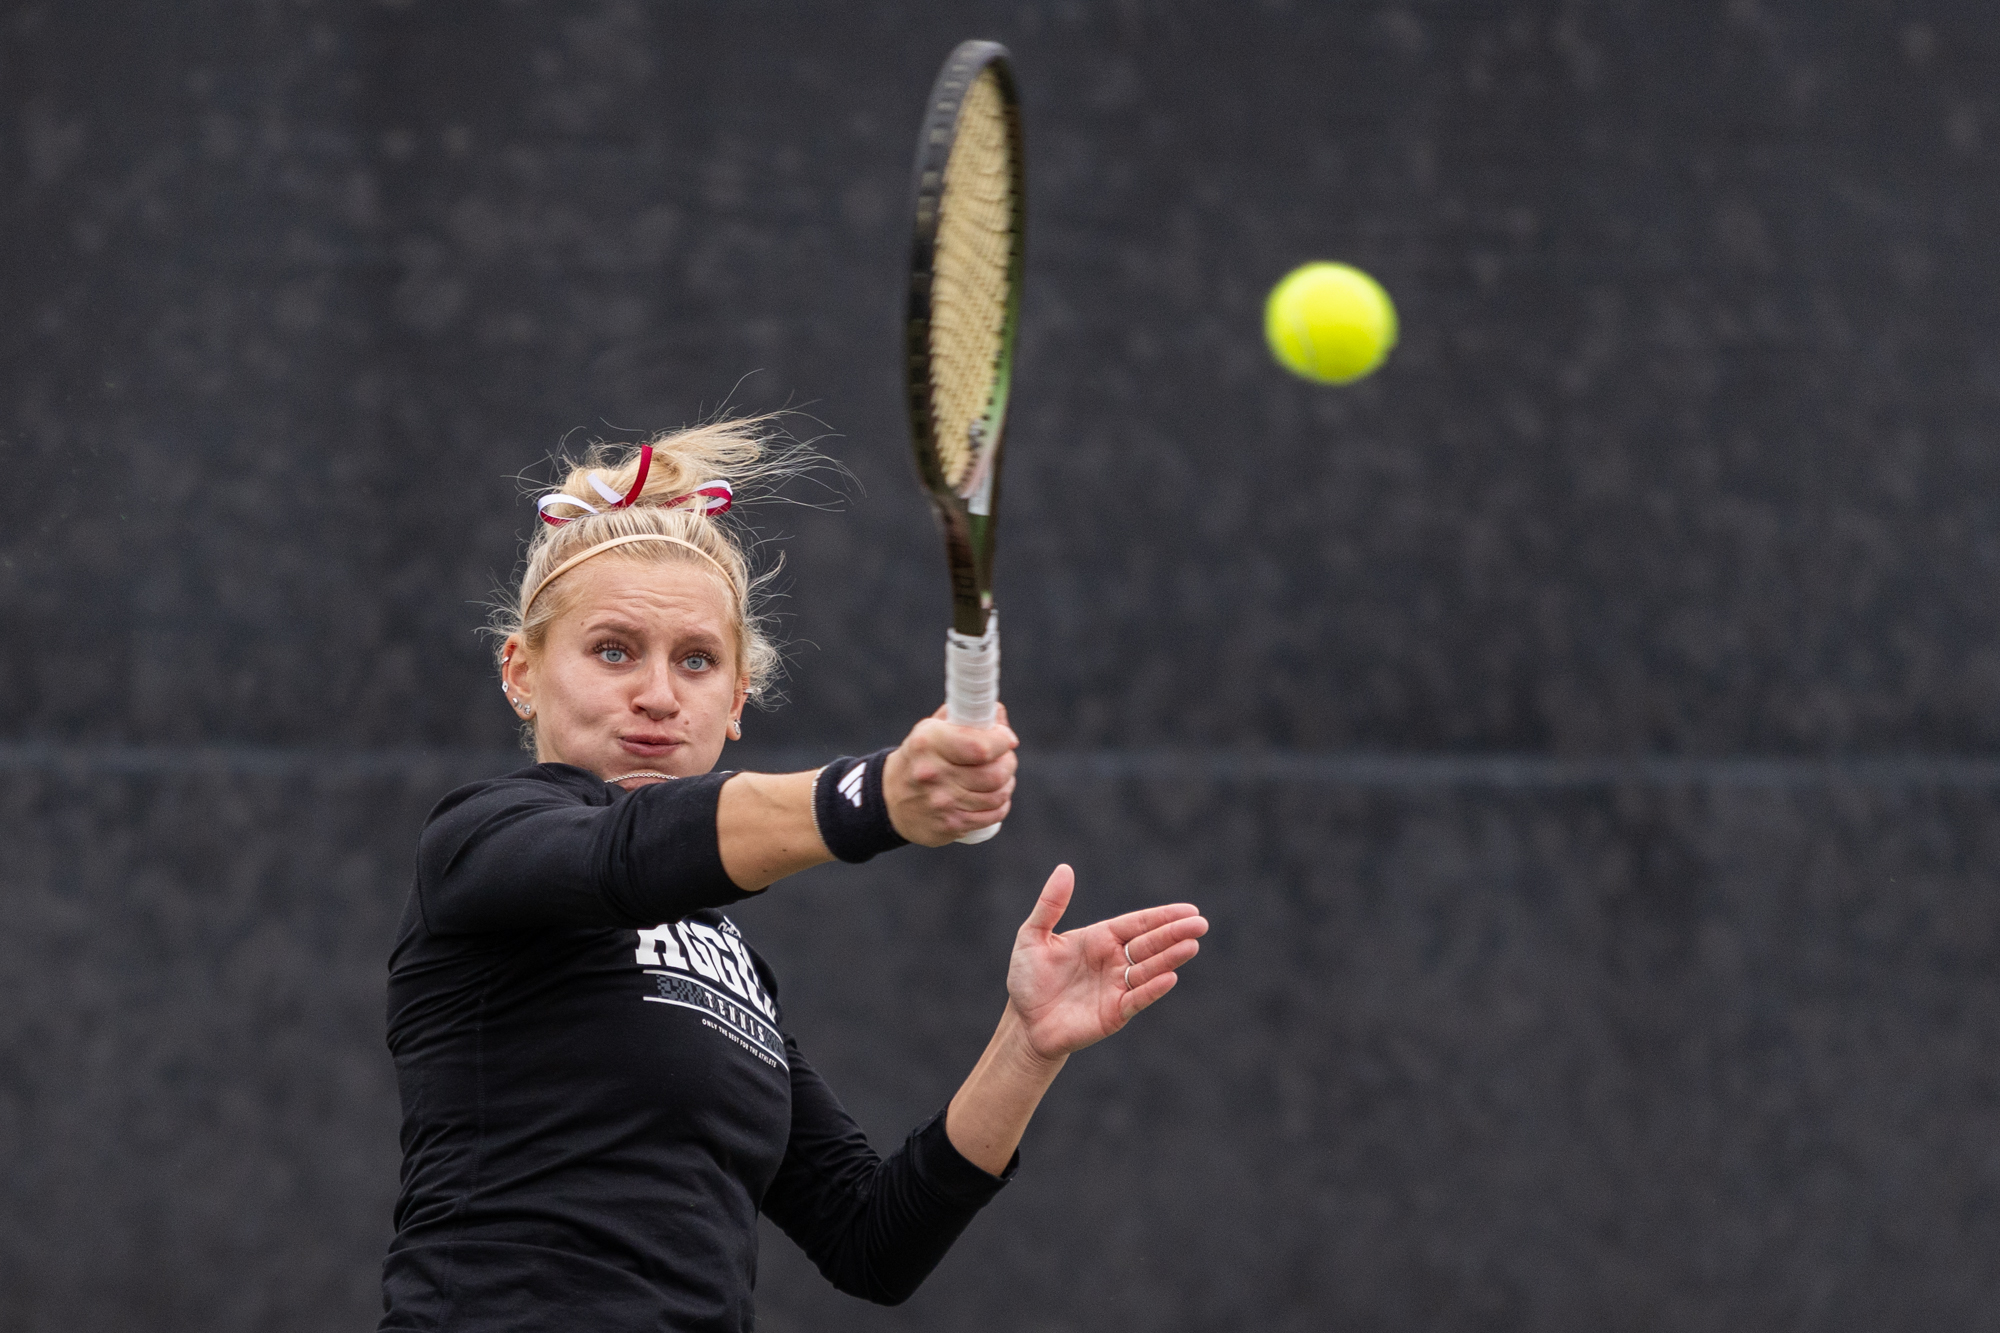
<point>599,1096</point>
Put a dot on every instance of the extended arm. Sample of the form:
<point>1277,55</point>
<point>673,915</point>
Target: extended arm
<point>874,1227</point>
<point>527,850</point>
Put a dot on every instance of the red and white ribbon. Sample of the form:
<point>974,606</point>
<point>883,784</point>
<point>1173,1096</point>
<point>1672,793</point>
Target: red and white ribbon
<point>711,497</point>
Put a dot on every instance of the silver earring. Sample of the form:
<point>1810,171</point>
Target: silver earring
<point>735,730</point>
<point>527,710</point>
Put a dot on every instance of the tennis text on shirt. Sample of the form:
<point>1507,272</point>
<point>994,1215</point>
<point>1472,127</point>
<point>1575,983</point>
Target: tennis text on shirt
<point>708,969</point>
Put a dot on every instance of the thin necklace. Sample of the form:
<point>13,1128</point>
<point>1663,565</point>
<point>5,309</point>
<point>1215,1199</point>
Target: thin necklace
<point>642,773</point>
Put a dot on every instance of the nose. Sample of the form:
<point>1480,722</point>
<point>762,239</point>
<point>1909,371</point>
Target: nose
<point>654,695</point>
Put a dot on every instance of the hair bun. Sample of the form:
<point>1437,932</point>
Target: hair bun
<point>707,466</point>
<point>712,498</point>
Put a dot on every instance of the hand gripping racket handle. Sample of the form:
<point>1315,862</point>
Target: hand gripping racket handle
<point>972,687</point>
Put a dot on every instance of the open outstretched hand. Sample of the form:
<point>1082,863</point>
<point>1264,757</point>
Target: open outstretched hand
<point>1064,991</point>
<point>1072,989</point>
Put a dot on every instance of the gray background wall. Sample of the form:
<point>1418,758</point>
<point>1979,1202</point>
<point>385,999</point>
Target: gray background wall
<point>1582,735</point>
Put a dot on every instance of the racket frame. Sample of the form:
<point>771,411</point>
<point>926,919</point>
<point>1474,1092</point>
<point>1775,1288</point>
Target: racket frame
<point>968,518</point>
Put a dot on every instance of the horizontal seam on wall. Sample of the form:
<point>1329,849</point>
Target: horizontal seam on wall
<point>1389,769</point>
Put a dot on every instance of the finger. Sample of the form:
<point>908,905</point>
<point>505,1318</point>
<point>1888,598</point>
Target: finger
<point>1142,947</point>
<point>1166,960</point>
<point>1145,996</point>
<point>946,800</point>
<point>1134,924</point>
<point>926,767</point>
<point>972,747</point>
<point>969,797</point>
<point>965,822</point>
<point>984,777</point>
<point>1054,901</point>
<point>967,746</point>
<point>979,801</point>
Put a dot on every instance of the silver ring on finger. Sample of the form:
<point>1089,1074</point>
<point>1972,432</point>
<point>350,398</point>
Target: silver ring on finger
<point>1129,961</point>
<point>1128,975</point>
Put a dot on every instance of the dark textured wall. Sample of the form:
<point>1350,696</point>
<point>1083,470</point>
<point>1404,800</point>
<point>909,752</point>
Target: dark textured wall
<point>1688,450</point>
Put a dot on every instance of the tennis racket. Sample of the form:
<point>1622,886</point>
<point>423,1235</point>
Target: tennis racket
<point>965,301</point>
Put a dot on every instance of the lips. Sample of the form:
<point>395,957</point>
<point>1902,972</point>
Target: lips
<point>649,746</point>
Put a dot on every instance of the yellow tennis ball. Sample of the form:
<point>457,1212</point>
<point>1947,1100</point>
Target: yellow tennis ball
<point>1329,322</point>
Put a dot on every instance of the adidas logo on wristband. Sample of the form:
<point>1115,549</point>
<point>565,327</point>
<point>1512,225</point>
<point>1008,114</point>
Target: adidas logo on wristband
<point>849,809</point>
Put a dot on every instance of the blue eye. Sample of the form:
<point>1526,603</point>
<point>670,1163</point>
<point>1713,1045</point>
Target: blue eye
<point>612,654</point>
<point>698,662</point>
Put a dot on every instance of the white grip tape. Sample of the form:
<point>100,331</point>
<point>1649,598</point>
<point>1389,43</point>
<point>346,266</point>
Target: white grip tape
<point>972,686</point>
<point>972,675</point>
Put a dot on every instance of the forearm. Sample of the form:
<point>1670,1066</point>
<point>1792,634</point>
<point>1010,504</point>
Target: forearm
<point>764,823</point>
<point>874,1226</point>
<point>992,1108</point>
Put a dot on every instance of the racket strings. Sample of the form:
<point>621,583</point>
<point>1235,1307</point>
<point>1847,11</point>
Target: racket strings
<point>973,265</point>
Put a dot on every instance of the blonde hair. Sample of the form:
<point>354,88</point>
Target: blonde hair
<point>752,454</point>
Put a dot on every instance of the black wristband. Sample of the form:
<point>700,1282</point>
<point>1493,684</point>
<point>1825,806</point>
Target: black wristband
<point>850,810</point>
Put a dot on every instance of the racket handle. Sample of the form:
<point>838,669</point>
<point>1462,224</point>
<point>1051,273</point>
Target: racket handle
<point>972,687</point>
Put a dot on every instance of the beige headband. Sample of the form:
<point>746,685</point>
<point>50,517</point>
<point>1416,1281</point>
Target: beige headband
<point>585,554</point>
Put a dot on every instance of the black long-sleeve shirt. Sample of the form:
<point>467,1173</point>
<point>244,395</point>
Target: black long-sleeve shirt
<point>598,1096</point>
